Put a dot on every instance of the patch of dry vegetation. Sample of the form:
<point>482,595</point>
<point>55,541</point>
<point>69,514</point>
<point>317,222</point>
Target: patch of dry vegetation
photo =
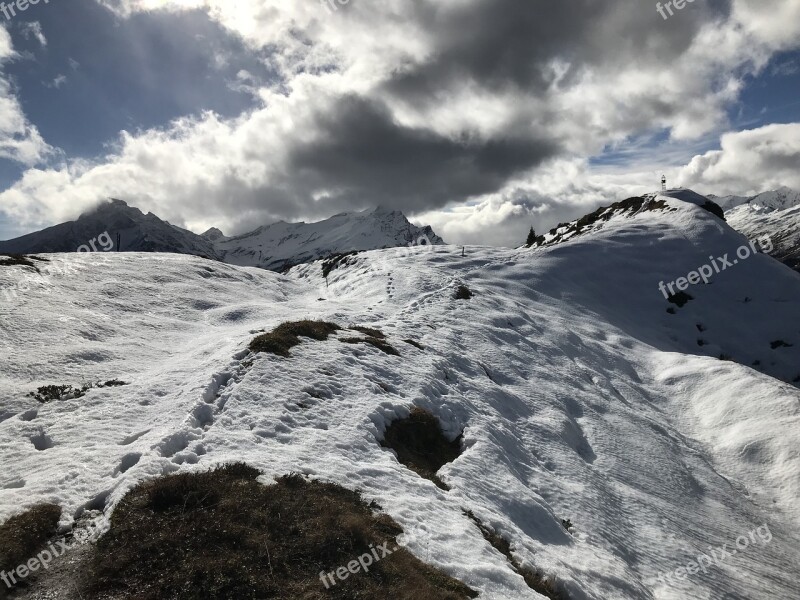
<point>287,335</point>
<point>23,536</point>
<point>421,445</point>
<point>222,534</point>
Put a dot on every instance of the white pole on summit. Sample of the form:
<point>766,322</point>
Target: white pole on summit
<point>663,183</point>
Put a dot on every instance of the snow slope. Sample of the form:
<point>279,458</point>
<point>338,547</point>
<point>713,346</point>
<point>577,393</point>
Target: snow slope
<point>775,214</point>
<point>580,397</point>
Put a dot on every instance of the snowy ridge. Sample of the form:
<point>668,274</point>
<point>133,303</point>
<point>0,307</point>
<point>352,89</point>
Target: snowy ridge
<point>779,199</point>
<point>626,209</point>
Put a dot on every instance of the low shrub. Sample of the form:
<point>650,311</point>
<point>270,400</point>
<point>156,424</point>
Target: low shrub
<point>335,261</point>
<point>112,383</point>
<point>463,293</point>
<point>51,393</point>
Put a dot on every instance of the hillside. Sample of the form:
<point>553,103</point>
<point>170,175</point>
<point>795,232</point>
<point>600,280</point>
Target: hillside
<point>582,393</point>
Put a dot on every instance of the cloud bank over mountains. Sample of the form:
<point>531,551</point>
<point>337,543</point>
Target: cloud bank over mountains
<point>480,117</point>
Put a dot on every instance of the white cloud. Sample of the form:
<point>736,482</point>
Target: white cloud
<point>20,141</point>
<point>748,162</point>
<point>58,82</point>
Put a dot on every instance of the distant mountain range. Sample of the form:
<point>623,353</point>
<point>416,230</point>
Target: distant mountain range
<point>775,214</point>
<point>274,247</point>
<point>282,245</point>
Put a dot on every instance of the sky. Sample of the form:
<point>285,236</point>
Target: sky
<point>481,118</point>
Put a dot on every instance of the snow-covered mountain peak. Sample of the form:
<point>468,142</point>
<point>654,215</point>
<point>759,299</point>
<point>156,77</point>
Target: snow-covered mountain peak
<point>384,210</point>
<point>282,245</point>
<point>109,205</point>
<point>214,235</point>
<point>780,199</point>
<point>775,214</point>
<point>136,232</point>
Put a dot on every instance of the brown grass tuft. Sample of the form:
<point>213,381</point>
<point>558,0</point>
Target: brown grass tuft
<point>221,534</point>
<point>11,260</point>
<point>287,335</point>
<point>22,536</point>
<point>369,331</point>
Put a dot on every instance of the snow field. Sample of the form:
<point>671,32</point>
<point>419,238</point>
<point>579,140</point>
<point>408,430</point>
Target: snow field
<point>579,398</point>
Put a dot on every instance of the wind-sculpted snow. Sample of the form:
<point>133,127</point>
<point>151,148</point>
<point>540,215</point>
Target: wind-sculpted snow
<point>579,396</point>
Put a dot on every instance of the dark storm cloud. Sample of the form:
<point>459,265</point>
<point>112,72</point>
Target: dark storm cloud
<point>509,43</point>
<point>363,156</point>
